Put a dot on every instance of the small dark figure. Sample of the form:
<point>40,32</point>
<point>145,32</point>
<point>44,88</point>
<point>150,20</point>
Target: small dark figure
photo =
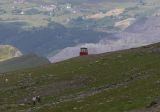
<point>131,78</point>
<point>39,99</point>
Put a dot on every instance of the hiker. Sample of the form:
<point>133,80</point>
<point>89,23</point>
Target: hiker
<point>34,100</point>
<point>131,78</point>
<point>38,99</point>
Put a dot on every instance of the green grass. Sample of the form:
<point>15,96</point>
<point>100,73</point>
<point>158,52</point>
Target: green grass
<point>23,62</point>
<point>112,82</point>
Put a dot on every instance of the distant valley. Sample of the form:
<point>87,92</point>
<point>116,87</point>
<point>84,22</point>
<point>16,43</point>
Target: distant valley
<point>47,28</point>
<point>145,31</point>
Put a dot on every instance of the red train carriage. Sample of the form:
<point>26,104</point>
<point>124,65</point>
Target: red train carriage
<point>83,51</point>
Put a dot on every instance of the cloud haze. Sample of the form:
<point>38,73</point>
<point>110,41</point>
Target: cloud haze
<point>135,36</point>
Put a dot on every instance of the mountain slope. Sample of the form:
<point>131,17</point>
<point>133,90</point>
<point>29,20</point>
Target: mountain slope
<point>142,32</point>
<point>39,26</point>
<point>110,82</point>
<point>8,52</point>
<point>43,41</point>
<point>23,62</point>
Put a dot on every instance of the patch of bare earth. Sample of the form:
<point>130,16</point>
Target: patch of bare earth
<point>152,107</point>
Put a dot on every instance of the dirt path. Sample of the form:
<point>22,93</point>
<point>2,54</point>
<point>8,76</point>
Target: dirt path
<point>154,108</point>
<point>93,91</point>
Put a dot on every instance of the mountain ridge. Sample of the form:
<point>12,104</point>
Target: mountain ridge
<point>22,62</point>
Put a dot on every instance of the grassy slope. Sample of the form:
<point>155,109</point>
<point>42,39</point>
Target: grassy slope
<point>112,82</point>
<point>28,61</point>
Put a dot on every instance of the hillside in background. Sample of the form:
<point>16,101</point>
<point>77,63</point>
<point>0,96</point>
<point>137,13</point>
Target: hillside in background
<point>143,32</point>
<point>8,52</point>
<point>45,40</point>
<point>38,26</point>
<point>123,81</point>
<point>23,62</point>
